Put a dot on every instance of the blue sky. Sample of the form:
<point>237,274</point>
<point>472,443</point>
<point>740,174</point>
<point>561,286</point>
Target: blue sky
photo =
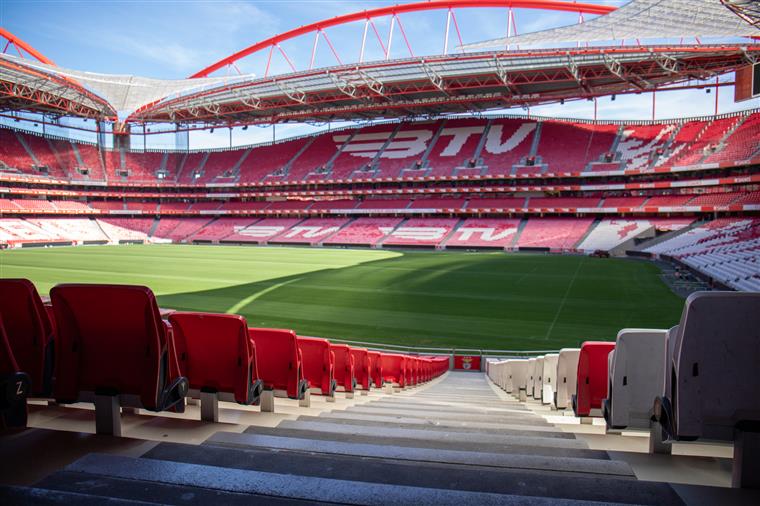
<point>173,38</point>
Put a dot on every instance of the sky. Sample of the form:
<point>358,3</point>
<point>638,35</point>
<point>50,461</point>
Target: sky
<point>172,39</point>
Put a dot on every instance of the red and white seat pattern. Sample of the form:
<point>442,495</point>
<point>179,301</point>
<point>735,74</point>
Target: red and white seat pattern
<point>364,231</point>
<point>553,233</point>
<point>484,233</point>
<point>421,232</point>
<point>311,231</point>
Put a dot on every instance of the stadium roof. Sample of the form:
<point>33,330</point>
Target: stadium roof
<point>642,19</point>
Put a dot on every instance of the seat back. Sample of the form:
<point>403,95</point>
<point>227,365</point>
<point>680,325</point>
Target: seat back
<point>538,373</point>
<point>14,386</point>
<point>567,376</point>
<point>318,364</point>
<point>549,378</point>
<point>592,377</point>
<point>345,375</point>
<point>530,373</point>
<point>112,341</point>
<point>394,370</point>
<point>636,376</point>
<point>361,367</point>
<point>715,360</point>
<point>376,363</point>
<point>279,362</point>
<point>30,332</point>
<point>215,353</point>
<point>519,371</point>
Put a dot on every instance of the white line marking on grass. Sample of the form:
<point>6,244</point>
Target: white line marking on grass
<point>240,305</point>
<point>564,299</point>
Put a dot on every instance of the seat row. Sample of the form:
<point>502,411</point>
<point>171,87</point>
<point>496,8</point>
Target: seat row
<point>695,381</point>
<point>111,345</point>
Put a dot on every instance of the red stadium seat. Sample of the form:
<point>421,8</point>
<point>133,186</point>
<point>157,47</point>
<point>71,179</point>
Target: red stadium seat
<point>114,348</point>
<point>394,369</point>
<point>14,386</point>
<point>218,359</point>
<point>345,374</point>
<point>318,365</point>
<point>279,362</point>
<point>29,331</point>
<point>592,377</point>
<point>362,367</point>
<point>376,367</point>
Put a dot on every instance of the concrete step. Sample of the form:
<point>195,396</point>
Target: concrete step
<point>425,456</point>
<point>394,432</point>
<point>514,419</point>
<point>564,490</point>
<point>368,436</point>
<point>23,496</point>
<point>436,425</point>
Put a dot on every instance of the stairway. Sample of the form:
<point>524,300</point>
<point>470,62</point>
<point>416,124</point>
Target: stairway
<point>457,440</point>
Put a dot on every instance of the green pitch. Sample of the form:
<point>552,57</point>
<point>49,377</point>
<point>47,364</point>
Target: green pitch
<point>467,300</point>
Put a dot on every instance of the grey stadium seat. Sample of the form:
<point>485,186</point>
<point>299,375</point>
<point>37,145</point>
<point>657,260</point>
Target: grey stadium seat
<point>549,378</point>
<point>567,376</point>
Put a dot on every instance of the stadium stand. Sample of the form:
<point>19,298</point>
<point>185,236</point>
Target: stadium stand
<point>421,232</point>
<point>310,231</point>
<point>484,233</point>
<point>553,233</point>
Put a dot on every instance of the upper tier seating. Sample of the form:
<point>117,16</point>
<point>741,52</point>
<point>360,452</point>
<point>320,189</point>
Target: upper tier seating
<point>421,232</point>
<point>314,158</point>
<point>14,386</point>
<point>549,378</point>
<point>591,383</point>
<point>278,360</point>
<point>741,144</point>
<point>634,378</point>
<point>455,145</point>
<point>554,233</point>
<point>487,204</point>
<point>30,333</point>
<point>638,144</point>
<point>480,233</point>
<point>707,139</point>
<point>508,143</point>
<point>94,324</point>
<point>570,147</point>
<point>358,155</point>
<point>362,367</point>
<point>218,358</point>
<point>318,365</point>
<point>567,377</point>
<point>365,231</point>
<point>345,375</point>
<point>400,158</point>
<point>264,160</point>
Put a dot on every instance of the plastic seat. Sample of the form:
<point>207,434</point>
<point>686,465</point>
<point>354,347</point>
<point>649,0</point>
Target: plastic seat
<point>279,362</point>
<point>14,386</point>
<point>376,364</point>
<point>713,355</point>
<point>591,384</point>
<point>30,332</point>
<point>112,343</point>
<point>361,367</point>
<point>216,355</point>
<point>318,365</point>
<point>636,376</point>
<point>394,369</point>
<point>344,368</point>
<point>538,373</point>
<point>549,378</point>
<point>567,377</point>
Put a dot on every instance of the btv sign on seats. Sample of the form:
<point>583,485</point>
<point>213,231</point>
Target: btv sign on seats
<point>411,143</point>
<point>467,362</point>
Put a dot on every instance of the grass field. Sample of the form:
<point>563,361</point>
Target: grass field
<point>481,300</point>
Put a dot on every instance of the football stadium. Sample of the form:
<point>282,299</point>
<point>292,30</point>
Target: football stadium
<point>433,252</point>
